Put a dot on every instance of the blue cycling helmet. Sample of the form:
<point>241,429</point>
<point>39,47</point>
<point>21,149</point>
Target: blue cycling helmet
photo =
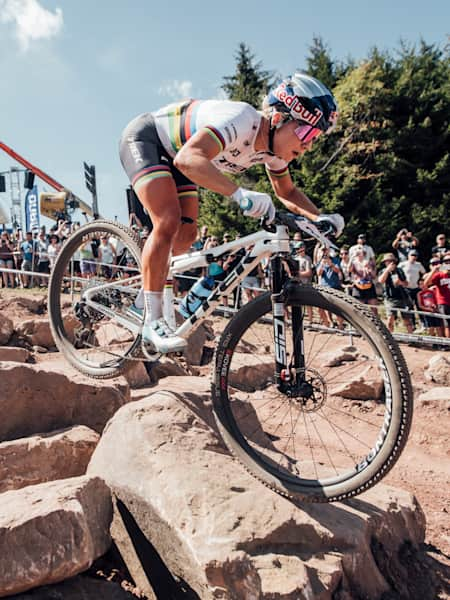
<point>304,99</point>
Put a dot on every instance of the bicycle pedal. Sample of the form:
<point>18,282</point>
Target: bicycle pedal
<point>175,354</point>
<point>150,353</point>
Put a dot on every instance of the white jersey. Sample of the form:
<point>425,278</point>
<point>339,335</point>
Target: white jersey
<point>233,125</point>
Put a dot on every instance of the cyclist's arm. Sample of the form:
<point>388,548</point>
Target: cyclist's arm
<point>194,161</point>
<point>293,198</point>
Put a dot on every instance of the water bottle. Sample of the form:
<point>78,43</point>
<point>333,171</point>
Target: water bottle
<point>196,295</point>
<point>168,306</point>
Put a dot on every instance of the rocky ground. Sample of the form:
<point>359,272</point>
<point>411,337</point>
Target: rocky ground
<point>423,469</point>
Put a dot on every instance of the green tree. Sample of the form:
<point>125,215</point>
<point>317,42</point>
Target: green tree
<point>250,81</point>
<point>320,64</point>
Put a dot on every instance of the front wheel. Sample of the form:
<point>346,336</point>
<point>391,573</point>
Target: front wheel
<point>339,420</point>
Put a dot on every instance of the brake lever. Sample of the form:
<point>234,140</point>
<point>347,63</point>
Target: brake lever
<point>270,227</point>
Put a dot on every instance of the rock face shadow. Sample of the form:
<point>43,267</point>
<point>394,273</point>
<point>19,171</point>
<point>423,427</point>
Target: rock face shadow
<point>164,585</point>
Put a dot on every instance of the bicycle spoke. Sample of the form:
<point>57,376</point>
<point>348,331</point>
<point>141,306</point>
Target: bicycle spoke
<point>336,439</point>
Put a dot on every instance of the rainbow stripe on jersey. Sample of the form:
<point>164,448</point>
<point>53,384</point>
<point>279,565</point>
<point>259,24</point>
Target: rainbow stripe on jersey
<point>182,124</point>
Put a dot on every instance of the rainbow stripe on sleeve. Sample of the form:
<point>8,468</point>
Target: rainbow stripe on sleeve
<point>216,135</point>
<point>277,172</point>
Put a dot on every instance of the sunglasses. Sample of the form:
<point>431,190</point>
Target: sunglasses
<point>344,253</point>
<point>307,133</point>
<point>446,261</point>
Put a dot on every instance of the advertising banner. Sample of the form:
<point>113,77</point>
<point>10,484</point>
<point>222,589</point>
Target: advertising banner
<point>32,209</point>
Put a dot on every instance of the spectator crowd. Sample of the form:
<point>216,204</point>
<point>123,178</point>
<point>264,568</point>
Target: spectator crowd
<point>411,283</point>
<point>407,284</point>
<point>33,253</point>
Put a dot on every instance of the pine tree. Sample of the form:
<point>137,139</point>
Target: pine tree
<point>320,63</point>
<point>250,82</point>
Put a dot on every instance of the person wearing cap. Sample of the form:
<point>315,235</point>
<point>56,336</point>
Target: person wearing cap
<point>403,243</point>
<point>362,245</point>
<point>393,280</point>
<point>295,242</point>
<point>439,276</point>
<point>441,246</point>
<point>413,269</point>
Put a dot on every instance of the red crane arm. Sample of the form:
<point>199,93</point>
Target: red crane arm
<point>57,186</point>
<point>32,168</point>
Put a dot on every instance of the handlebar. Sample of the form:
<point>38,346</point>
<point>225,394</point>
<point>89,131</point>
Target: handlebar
<point>322,231</point>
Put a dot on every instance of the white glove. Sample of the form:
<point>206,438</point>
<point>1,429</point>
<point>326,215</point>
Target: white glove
<point>336,220</point>
<point>254,204</point>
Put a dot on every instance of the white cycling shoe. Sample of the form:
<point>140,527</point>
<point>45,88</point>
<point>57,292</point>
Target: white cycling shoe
<point>161,338</point>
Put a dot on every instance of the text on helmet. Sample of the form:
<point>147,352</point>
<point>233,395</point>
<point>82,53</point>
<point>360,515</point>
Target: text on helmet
<point>296,108</point>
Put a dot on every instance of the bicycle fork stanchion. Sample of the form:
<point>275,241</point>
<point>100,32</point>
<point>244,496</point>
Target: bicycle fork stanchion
<point>282,374</point>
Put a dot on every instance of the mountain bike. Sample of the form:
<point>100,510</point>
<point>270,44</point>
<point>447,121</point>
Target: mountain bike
<point>310,390</point>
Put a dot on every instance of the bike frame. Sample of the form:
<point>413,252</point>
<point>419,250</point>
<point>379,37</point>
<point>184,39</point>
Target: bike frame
<point>263,243</point>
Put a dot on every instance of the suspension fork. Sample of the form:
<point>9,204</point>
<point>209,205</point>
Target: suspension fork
<point>284,369</point>
<point>279,323</point>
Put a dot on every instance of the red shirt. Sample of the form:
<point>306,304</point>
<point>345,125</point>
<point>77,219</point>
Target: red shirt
<point>441,279</point>
<point>427,299</point>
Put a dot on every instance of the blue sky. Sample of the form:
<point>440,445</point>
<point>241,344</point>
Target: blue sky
<point>74,73</point>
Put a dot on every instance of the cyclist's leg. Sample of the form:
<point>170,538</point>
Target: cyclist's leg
<point>159,197</point>
<point>187,231</point>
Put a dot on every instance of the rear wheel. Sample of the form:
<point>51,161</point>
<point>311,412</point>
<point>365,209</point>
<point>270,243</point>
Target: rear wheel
<point>90,298</point>
<point>340,423</point>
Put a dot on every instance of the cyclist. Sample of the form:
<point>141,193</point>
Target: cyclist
<point>168,153</point>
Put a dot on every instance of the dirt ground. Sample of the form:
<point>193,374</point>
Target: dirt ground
<point>424,467</point>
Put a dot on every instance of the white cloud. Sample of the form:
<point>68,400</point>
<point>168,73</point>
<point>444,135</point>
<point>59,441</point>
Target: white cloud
<point>176,89</point>
<point>31,20</point>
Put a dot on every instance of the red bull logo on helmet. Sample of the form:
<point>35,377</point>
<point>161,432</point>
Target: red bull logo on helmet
<point>298,111</point>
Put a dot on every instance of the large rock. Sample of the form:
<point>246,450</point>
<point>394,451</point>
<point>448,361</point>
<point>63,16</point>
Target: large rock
<point>438,370</point>
<point>6,329</point>
<point>251,371</point>
<point>36,332</point>
<point>362,386</point>
<point>108,334</point>
<point>180,495</point>
<point>136,374</point>
<point>52,531</point>
<point>339,357</point>
<point>438,396</point>
<point>167,367</point>
<point>46,457</point>
<point>21,304</point>
<point>196,342</point>
<point>14,354</point>
<point>78,588</point>
<point>41,398</point>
